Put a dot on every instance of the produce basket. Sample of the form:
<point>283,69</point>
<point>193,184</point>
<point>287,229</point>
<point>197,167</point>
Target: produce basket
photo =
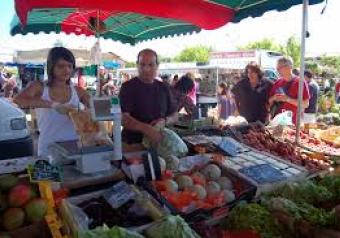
<point>242,189</point>
<point>75,212</point>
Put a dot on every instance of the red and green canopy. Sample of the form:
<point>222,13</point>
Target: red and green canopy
<point>132,21</point>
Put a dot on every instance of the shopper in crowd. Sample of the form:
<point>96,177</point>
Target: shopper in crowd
<point>10,86</point>
<point>110,88</point>
<point>182,94</point>
<point>337,91</point>
<point>285,89</point>
<point>53,99</point>
<point>313,87</point>
<point>174,80</point>
<point>252,95</point>
<point>226,104</point>
<point>145,101</point>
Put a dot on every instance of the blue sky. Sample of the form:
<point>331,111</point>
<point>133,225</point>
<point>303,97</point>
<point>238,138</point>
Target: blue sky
<point>325,36</point>
<point>7,12</point>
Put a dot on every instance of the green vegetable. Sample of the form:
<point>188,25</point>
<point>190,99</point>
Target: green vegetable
<point>105,232</point>
<point>171,144</point>
<point>171,227</point>
<point>303,211</point>
<point>332,183</point>
<point>253,217</point>
<point>304,192</point>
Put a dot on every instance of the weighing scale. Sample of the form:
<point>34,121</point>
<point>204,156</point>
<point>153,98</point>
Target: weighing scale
<point>90,160</point>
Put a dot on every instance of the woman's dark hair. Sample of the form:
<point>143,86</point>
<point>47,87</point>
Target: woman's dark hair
<point>55,54</point>
<point>225,88</point>
<point>255,68</point>
<point>185,84</point>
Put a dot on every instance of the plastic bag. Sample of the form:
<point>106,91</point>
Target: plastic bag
<point>171,144</point>
<point>283,119</point>
<point>91,133</point>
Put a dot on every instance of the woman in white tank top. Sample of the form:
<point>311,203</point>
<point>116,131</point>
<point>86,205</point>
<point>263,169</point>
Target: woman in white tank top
<point>52,98</point>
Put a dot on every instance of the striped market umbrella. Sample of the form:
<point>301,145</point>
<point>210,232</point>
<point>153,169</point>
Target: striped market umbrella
<point>133,21</point>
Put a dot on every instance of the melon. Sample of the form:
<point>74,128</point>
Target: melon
<point>36,210</point>
<point>13,218</point>
<point>213,188</point>
<point>184,181</point>
<point>211,172</point>
<point>199,190</point>
<point>225,183</point>
<point>171,185</point>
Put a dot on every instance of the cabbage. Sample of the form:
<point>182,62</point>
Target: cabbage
<point>171,227</point>
<point>171,144</point>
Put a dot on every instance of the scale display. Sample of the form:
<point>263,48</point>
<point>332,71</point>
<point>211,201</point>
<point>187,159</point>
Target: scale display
<point>101,108</point>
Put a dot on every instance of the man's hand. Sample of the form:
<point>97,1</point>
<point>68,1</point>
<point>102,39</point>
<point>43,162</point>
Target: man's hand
<point>159,122</point>
<point>154,135</point>
<point>128,121</point>
<point>281,98</point>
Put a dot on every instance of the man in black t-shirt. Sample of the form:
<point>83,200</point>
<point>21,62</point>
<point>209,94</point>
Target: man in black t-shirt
<point>145,101</point>
<point>251,95</point>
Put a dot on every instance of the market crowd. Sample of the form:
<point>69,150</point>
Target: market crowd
<point>148,101</point>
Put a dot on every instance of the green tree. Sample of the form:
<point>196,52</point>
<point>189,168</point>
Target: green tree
<point>130,64</point>
<point>330,62</point>
<point>194,54</point>
<point>265,44</point>
<point>165,59</point>
<point>291,48</point>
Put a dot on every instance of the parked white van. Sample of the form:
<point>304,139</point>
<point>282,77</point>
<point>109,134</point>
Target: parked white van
<point>15,137</point>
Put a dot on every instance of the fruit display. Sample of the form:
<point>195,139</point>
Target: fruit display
<point>262,140</point>
<point>325,146</point>
<point>330,135</point>
<point>207,187</point>
<point>19,204</point>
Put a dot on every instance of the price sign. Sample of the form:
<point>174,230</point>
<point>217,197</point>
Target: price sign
<point>42,170</point>
<point>228,147</point>
<point>119,194</point>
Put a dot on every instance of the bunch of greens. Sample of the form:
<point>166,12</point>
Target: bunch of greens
<point>253,217</point>
<point>105,232</point>
<point>332,183</point>
<point>171,227</point>
<point>304,192</point>
<point>303,211</point>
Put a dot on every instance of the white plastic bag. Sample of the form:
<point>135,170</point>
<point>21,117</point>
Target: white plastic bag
<point>283,119</point>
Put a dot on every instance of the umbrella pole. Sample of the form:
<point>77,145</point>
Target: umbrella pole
<point>302,68</point>
<point>98,89</point>
<point>98,93</point>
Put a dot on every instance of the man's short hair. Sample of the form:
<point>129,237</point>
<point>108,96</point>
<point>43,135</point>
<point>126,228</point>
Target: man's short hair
<point>148,50</point>
<point>308,74</point>
<point>285,61</point>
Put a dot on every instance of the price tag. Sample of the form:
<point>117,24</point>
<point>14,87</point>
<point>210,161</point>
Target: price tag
<point>119,194</point>
<point>42,170</point>
<point>228,147</point>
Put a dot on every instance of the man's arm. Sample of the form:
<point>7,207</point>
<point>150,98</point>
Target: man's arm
<point>133,124</point>
<point>292,101</point>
